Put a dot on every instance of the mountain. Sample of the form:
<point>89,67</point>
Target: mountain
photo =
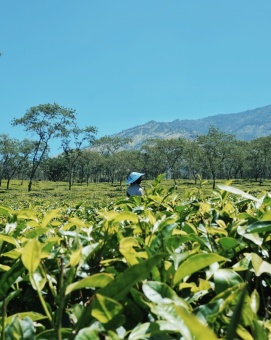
<point>245,125</point>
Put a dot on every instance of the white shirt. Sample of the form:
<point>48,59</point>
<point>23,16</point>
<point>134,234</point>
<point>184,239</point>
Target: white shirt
<point>134,190</point>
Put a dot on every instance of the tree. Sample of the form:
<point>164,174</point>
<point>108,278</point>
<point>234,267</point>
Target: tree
<point>172,150</point>
<point>215,146</point>
<point>13,154</point>
<point>236,162</point>
<point>164,156</point>
<point>126,161</point>
<point>56,169</point>
<point>192,160</point>
<point>93,163</point>
<point>46,121</point>
<point>259,157</point>
<point>5,148</point>
<point>72,143</point>
<point>109,145</point>
<point>153,163</point>
<point>8,152</point>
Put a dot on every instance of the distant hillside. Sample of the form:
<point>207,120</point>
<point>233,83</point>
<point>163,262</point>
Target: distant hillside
<point>246,125</point>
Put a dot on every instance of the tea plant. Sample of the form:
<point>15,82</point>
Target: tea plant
<point>159,266</point>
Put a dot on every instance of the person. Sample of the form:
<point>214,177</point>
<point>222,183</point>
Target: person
<point>134,180</point>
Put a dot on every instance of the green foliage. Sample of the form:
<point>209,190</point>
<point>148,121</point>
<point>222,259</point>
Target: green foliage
<point>161,266</point>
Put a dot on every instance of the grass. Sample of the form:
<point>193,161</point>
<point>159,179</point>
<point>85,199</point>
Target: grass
<point>56,193</point>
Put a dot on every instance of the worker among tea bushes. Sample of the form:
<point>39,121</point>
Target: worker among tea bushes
<point>134,180</point>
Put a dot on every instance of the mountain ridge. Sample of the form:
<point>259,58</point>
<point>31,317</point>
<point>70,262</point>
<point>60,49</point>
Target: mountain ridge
<point>246,125</point>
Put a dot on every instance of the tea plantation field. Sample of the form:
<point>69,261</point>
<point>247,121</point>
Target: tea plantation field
<point>182,262</point>
<point>54,194</point>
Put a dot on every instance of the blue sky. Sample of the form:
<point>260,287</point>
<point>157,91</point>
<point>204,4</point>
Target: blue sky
<point>122,63</point>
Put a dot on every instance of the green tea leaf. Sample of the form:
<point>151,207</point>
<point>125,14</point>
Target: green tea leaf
<point>13,254</point>
<point>226,278</point>
<point>75,256</point>
<point>127,250</point>
<point>104,309</point>
<point>27,214</point>
<point>87,334</point>
<point>94,281</point>
<point>9,277</point>
<point>126,216</point>
<point>244,334</point>
<point>234,321</point>
<point>4,268</point>
<point>149,330</point>
<point>48,217</point>
<point>109,215</point>
<point>255,301</point>
<point>9,239</point>
<point>259,227</point>
<point>254,237</point>
<point>238,192</point>
<point>66,334</point>
<point>38,279</point>
<point>119,287</point>
<point>4,211</point>
<point>259,265</point>
<point>195,263</point>
<point>31,315</point>
<point>36,232</point>
<point>129,242</point>
<point>184,322</point>
<point>260,332</point>
<point>159,292</point>
<point>31,255</point>
<point>228,243</point>
<point>20,329</point>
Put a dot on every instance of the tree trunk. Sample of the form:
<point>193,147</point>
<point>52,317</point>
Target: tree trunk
<point>214,178</point>
<point>8,181</point>
<point>29,185</point>
<point>174,178</point>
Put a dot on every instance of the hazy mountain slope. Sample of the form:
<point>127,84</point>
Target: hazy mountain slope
<point>244,125</point>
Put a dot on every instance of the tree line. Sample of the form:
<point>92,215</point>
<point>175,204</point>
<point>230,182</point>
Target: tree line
<point>84,158</point>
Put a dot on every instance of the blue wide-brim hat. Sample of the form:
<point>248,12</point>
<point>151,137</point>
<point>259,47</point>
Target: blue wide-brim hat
<point>133,177</point>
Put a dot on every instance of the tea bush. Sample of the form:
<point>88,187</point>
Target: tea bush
<point>164,266</point>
